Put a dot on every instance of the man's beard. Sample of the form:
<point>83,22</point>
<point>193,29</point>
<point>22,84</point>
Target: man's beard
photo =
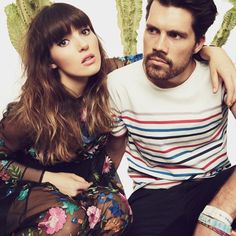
<point>156,73</point>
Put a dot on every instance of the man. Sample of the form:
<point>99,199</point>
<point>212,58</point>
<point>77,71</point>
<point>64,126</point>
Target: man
<point>175,127</point>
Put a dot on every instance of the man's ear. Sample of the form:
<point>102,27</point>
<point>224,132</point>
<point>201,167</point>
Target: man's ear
<point>199,44</point>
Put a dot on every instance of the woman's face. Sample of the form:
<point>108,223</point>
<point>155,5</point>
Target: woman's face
<point>76,56</point>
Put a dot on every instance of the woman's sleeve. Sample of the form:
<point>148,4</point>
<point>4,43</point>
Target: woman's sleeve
<point>13,143</point>
<point>117,62</point>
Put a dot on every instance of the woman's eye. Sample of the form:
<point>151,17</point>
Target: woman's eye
<point>63,43</point>
<point>85,31</point>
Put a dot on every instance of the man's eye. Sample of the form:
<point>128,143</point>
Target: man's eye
<point>175,35</point>
<point>152,30</point>
<point>63,43</point>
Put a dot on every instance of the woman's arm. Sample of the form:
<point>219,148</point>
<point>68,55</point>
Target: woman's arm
<point>13,169</point>
<point>221,67</point>
<point>13,139</point>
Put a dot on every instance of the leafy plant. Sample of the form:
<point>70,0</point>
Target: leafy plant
<point>227,25</point>
<point>129,13</point>
<point>19,15</point>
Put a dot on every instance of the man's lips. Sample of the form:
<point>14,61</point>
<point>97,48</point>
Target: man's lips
<point>158,60</point>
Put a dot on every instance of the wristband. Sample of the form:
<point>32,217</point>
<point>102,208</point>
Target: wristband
<point>218,214</point>
<point>218,231</point>
<point>215,223</point>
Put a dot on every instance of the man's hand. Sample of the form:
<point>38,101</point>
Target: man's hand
<point>67,183</point>
<point>222,68</point>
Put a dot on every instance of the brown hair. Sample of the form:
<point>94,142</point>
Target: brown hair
<point>203,12</point>
<point>44,106</point>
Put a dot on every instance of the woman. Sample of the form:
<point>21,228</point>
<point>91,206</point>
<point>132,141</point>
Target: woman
<point>55,177</point>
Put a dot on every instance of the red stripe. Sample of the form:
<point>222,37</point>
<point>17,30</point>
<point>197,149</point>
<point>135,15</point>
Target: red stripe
<point>170,121</point>
<point>178,147</point>
<point>215,159</point>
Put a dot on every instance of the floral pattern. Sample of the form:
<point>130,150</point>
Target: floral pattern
<point>53,220</point>
<point>94,215</point>
<point>40,208</point>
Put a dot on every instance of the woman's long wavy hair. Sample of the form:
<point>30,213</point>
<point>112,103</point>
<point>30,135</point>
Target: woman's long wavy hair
<point>55,124</point>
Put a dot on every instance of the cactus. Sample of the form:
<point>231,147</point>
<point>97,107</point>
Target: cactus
<point>129,13</point>
<point>19,15</point>
<point>229,22</point>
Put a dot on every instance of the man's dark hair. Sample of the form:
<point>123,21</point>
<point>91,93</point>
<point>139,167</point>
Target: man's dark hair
<point>203,12</point>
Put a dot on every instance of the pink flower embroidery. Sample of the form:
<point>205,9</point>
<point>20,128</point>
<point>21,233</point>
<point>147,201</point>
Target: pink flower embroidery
<point>54,220</point>
<point>4,175</point>
<point>124,199</point>
<point>93,149</point>
<point>107,165</point>
<point>94,214</point>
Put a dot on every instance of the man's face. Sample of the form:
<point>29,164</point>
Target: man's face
<point>169,43</point>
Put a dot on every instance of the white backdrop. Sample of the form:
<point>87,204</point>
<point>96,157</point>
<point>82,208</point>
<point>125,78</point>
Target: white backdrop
<point>103,16</point>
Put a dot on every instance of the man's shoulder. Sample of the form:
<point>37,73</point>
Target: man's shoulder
<point>202,66</point>
<point>126,71</point>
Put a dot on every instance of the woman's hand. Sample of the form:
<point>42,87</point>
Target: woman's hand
<point>221,67</point>
<point>67,183</point>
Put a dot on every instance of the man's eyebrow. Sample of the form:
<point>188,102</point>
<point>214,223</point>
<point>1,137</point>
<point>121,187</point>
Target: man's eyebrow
<point>151,26</point>
<point>181,33</point>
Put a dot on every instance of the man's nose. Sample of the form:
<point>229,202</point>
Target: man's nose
<point>161,44</point>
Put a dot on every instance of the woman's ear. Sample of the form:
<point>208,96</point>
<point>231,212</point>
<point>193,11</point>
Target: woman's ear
<point>53,66</point>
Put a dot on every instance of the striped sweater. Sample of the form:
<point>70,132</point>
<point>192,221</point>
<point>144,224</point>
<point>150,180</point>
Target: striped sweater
<point>174,134</point>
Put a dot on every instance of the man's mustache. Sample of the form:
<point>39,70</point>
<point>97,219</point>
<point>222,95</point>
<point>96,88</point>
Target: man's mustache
<point>160,55</point>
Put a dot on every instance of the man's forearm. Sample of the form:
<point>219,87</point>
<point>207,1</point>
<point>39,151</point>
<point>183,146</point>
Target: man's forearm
<point>225,199</point>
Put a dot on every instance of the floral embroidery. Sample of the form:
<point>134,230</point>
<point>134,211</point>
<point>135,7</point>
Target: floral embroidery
<point>23,194</point>
<point>70,207</point>
<point>94,214</point>
<point>54,220</point>
<point>114,224</point>
<point>15,173</point>
<point>4,163</point>
<point>103,198</point>
<point>115,209</point>
<point>125,200</point>
<point>107,165</point>
<point>93,150</point>
<point>32,152</point>
<point>4,175</point>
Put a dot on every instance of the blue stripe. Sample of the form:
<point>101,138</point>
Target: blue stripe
<point>161,172</point>
<point>171,130</point>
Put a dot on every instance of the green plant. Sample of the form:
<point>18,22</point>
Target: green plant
<point>229,22</point>
<point>19,15</point>
<point>129,13</point>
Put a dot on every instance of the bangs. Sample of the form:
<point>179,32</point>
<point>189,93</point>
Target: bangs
<point>60,19</point>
